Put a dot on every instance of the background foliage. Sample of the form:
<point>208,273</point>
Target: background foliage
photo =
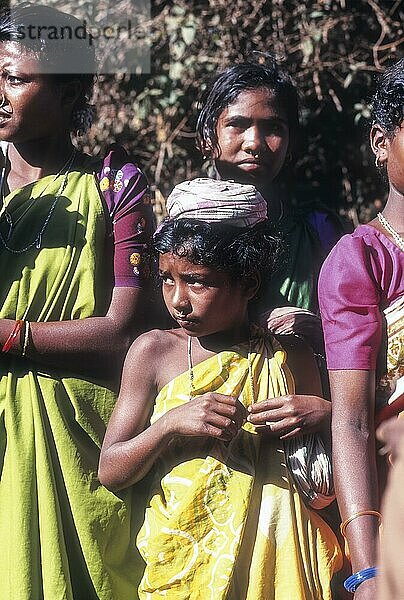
<point>333,49</point>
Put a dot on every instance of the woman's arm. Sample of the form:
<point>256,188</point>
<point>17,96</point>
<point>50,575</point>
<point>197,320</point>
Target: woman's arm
<point>354,463</point>
<point>84,344</point>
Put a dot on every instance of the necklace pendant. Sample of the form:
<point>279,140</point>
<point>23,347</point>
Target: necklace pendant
<point>37,243</point>
<point>10,225</point>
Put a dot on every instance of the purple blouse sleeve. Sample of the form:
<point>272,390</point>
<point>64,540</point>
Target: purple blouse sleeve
<point>125,191</point>
<point>350,296</point>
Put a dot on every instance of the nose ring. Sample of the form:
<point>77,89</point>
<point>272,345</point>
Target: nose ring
<point>253,154</point>
<point>3,101</point>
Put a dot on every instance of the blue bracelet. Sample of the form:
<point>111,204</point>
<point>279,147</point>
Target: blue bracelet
<point>353,582</point>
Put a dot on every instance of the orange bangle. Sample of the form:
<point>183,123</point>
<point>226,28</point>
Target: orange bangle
<point>361,513</point>
<point>10,340</point>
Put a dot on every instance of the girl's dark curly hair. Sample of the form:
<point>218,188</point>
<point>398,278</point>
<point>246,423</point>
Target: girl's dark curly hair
<point>226,86</point>
<point>388,99</point>
<point>238,252</point>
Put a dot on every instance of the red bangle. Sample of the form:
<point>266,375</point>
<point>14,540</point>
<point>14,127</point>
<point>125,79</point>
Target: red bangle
<point>10,340</point>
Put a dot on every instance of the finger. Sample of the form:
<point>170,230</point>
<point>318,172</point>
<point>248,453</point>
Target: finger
<point>278,414</point>
<point>269,404</point>
<point>295,432</point>
<point>217,432</point>
<point>225,424</point>
<point>224,399</point>
<point>384,430</point>
<point>283,429</point>
<point>385,450</point>
<point>226,410</point>
<point>237,412</point>
<point>381,433</point>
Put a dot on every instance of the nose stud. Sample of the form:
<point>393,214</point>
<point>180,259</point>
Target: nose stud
<point>253,153</point>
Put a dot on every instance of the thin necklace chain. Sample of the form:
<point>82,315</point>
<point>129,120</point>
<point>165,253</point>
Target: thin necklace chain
<point>38,240</point>
<point>396,236</point>
<point>191,370</point>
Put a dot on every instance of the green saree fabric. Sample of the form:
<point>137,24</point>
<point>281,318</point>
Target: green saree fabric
<point>64,536</point>
<point>295,284</point>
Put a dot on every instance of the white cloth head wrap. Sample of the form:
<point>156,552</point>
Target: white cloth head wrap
<point>216,201</point>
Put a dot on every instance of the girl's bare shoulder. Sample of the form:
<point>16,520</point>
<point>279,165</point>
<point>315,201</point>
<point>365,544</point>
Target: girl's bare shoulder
<point>154,349</point>
<point>157,356</point>
<point>154,342</point>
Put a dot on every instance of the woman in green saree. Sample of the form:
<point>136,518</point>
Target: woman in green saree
<point>71,293</point>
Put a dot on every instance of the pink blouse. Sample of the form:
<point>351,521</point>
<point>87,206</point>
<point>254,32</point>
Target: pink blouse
<point>362,275</point>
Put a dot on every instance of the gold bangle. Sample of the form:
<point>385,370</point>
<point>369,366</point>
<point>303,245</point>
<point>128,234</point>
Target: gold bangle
<point>361,513</point>
<point>26,339</point>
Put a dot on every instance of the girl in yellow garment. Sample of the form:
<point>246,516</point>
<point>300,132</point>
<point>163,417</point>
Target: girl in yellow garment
<point>224,520</point>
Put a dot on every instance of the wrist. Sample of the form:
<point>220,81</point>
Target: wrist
<point>355,580</point>
<point>168,428</point>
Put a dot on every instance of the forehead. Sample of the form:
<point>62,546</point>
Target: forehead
<point>257,104</point>
<point>169,261</point>
<point>177,265</point>
<point>14,54</point>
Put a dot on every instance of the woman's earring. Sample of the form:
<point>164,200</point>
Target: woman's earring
<point>377,162</point>
<point>82,119</point>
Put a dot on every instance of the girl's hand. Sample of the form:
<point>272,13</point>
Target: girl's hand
<point>211,415</point>
<point>288,416</point>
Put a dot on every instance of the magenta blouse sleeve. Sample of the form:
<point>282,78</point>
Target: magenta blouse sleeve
<point>125,191</point>
<point>350,296</point>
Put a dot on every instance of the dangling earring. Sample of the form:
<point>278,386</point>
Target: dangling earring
<point>377,162</point>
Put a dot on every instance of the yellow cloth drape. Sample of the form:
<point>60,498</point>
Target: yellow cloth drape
<point>64,536</point>
<point>390,388</point>
<point>224,521</point>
